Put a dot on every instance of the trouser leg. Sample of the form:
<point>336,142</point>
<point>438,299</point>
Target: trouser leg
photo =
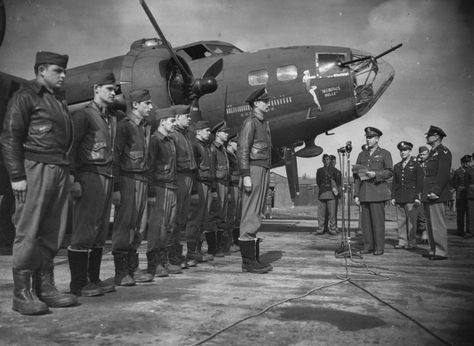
<point>366,225</point>
<point>439,233</point>
<point>254,201</point>
<point>377,213</point>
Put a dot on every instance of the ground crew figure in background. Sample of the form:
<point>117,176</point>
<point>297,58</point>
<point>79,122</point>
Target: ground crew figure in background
<point>371,191</point>
<point>186,166</point>
<point>133,138</point>
<point>406,195</point>
<point>218,210</point>
<point>469,183</point>
<point>199,213</point>
<point>233,210</point>
<point>338,183</point>
<point>95,132</point>
<point>436,193</point>
<point>162,195</point>
<point>254,156</point>
<point>458,183</point>
<point>36,141</point>
<point>326,179</point>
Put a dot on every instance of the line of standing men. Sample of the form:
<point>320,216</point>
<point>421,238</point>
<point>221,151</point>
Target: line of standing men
<point>413,184</point>
<point>131,163</point>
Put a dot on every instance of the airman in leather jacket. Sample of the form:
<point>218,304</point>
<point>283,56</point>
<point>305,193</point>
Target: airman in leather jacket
<point>202,154</point>
<point>254,145</point>
<point>95,140</point>
<point>37,127</point>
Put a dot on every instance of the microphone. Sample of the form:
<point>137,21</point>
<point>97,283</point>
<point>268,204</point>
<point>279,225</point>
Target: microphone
<point>349,146</point>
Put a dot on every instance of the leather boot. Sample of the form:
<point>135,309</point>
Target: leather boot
<point>219,242</point>
<point>211,242</point>
<point>257,255</point>
<point>122,275</point>
<point>137,274</point>
<point>161,271</point>
<point>205,256</point>
<point>165,261</point>
<point>190,262</point>
<point>236,235</point>
<point>174,256</point>
<point>25,300</point>
<point>95,260</point>
<point>248,248</point>
<point>192,252</point>
<point>151,262</point>
<point>80,285</point>
<point>46,289</point>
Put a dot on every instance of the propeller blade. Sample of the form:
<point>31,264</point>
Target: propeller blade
<point>183,70</point>
<point>214,70</point>
<point>195,112</point>
<point>3,21</point>
<point>225,103</point>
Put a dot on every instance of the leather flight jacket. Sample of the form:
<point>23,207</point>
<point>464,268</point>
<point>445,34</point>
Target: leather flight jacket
<point>185,161</point>
<point>220,162</point>
<point>95,139</point>
<point>202,155</point>
<point>132,147</point>
<point>234,172</point>
<point>37,127</point>
<point>162,155</point>
<point>255,145</point>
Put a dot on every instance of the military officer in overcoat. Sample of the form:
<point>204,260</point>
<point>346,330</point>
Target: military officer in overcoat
<point>371,191</point>
<point>406,195</point>
<point>436,193</point>
<point>254,156</point>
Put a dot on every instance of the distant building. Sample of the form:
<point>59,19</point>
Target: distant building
<point>307,196</point>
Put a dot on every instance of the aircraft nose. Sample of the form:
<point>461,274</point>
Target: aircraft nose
<point>372,78</point>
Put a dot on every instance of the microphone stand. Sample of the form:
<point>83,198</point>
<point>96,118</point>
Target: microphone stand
<point>345,249</point>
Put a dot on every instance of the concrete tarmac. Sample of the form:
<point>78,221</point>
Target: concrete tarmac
<point>310,298</point>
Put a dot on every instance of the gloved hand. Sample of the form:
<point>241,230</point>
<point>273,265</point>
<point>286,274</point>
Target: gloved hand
<point>247,184</point>
<point>76,190</point>
<point>19,190</point>
<point>116,197</point>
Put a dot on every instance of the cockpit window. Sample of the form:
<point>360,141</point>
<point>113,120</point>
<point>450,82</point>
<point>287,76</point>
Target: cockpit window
<point>223,49</point>
<point>285,73</point>
<point>197,51</point>
<point>327,64</point>
<point>259,77</point>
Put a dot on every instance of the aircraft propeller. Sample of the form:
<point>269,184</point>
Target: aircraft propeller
<point>194,87</point>
<point>3,21</point>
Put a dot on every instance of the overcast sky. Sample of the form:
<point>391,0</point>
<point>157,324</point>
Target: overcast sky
<point>434,74</point>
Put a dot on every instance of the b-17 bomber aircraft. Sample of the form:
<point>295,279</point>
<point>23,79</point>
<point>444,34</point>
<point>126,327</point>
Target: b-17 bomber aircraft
<point>314,89</point>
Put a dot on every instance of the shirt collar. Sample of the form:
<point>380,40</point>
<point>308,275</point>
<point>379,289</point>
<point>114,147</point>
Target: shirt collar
<point>136,119</point>
<point>39,89</point>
